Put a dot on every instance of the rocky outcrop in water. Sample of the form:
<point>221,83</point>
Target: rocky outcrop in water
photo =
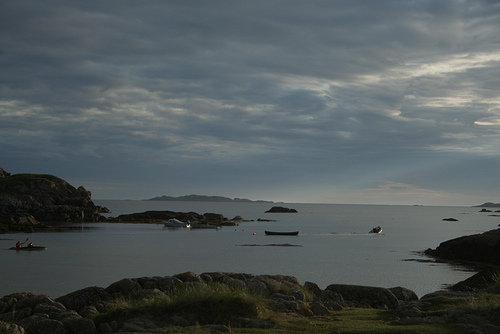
<point>31,201</point>
<point>280,209</point>
<point>481,248</point>
<point>196,220</point>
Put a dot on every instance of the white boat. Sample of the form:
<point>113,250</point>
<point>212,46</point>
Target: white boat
<point>176,223</point>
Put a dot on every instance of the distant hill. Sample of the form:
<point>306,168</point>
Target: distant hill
<point>202,198</point>
<point>489,205</point>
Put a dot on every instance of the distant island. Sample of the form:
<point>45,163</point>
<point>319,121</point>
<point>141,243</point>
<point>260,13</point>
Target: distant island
<point>489,205</point>
<point>203,198</point>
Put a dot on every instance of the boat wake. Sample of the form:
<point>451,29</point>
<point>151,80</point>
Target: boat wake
<point>354,233</point>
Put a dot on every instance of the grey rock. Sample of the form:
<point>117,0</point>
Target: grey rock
<point>206,277</point>
<point>124,287</point>
<point>17,314</point>
<point>403,294</point>
<point>281,296</point>
<point>281,305</point>
<point>85,297</point>
<point>66,315</point>
<point>4,307</point>
<point>299,295</point>
<point>318,308</point>
<point>42,325</point>
<point>28,299</point>
<point>313,289</point>
<point>241,276</point>
<point>89,311</point>
<point>332,300</point>
<point>446,293</point>
<point>233,282</point>
<point>362,296</point>
<point>483,280</point>
<point>169,284</point>
<point>189,277</point>
<point>149,282</point>
<point>271,284</point>
<point>148,294</point>
<point>79,326</point>
<point>49,309</point>
<point>7,328</point>
<point>256,286</point>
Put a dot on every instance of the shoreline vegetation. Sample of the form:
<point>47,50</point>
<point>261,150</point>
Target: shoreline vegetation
<point>234,302</point>
<point>221,302</point>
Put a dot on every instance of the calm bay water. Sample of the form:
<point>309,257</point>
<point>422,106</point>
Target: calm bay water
<point>333,247</point>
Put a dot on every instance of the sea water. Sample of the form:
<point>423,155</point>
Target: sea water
<point>333,246</point>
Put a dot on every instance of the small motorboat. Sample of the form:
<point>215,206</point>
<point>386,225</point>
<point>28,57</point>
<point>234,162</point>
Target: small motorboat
<point>176,223</point>
<point>28,248</point>
<point>281,233</point>
<point>377,230</point>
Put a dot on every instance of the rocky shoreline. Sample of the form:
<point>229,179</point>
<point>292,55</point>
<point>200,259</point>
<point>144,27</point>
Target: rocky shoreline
<point>42,202</point>
<point>261,300</point>
<point>477,249</point>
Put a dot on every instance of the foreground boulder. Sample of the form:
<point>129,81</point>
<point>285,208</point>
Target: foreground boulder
<point>28,201</point>
<point>482,248</point>
<point>365,296</point>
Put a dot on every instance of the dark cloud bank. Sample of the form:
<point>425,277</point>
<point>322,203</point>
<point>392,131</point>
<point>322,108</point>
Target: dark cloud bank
<point>331,101</point>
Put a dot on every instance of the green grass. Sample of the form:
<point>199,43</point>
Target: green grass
<point>484,305</point>
<point>350,320</point>
<point>220,304</point>
<point>203,304</point>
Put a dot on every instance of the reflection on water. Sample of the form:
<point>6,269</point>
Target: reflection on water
<point>99,254</point>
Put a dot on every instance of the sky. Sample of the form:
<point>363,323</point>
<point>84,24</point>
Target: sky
<point>366,102</point>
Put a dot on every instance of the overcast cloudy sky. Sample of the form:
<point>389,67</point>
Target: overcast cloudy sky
<point>394,102</point>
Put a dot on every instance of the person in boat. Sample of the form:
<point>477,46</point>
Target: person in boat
<point>30,244</point>
<point>20,244</point>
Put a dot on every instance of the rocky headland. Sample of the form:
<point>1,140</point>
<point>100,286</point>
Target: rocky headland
<point>489,205</point>
<point>30,202</point>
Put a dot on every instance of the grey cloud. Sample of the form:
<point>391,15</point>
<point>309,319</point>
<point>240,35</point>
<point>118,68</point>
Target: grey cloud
<point>263,91</point>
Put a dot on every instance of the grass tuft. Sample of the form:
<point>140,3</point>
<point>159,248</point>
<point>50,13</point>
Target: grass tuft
<point>207,304</point>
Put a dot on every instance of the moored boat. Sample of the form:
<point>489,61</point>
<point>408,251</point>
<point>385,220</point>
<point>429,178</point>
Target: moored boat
<point>281,233</point>
<point>176,223</point>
